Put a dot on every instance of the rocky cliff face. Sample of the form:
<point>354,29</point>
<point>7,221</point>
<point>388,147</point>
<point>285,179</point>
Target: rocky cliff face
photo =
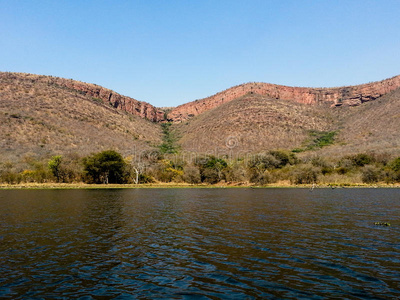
<point>346,96</point>
<point>130,105</point>
<point>133,106</point>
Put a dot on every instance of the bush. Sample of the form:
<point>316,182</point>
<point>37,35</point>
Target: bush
<point>55,166</point>
<point>283,158</point>
<point>395,165</point>
<point>261,179</point>
<point>191,174</point>
<point>361,159</point>
<point>370,174</point>
<point>305,175</point>
<point>105,167</point>
<point>211,168</point>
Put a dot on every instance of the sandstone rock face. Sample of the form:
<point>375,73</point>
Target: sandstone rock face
<point>346,96</point>
<point>130,105</point>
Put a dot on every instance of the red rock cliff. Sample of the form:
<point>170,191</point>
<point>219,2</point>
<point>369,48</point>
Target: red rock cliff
<point>349,95</point>
<point>130,105</point>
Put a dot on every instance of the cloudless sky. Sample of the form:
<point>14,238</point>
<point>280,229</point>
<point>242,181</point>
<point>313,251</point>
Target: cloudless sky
<point>168,52</point>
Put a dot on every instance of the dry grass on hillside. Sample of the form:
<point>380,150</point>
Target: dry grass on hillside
<point>253,123</point>
<point>371,127</point>
<point>44,120</point>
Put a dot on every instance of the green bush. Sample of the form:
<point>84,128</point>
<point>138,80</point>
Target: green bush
<point>55,167</point>
<point>395,165</point>
<point>361,159</point>
<point>105,167</point>
<point>212,169</point>
<point>283,158</point>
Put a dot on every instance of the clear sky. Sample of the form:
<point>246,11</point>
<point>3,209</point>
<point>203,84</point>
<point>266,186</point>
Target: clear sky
<point>168,52</point>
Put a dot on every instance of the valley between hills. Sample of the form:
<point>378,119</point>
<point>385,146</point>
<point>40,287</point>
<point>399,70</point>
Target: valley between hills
<point>254,133</point>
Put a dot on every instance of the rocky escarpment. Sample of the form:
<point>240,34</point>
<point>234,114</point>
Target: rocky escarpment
<point>124,103</point>
<point>340,96</point>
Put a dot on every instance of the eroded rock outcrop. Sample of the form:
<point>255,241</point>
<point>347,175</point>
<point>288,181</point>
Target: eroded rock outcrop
<point>133,106</point>
<point>349,95</point>
<point>107,96</point>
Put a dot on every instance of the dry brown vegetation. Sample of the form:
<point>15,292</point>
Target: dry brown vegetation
<point>40,120</point>
<point>253,123</point>
<point>371,127</point>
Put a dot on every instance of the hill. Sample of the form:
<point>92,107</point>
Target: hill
<point>42,116</point>
<point>253,123</point>
<point>340,96</point>
<point>371,127</point>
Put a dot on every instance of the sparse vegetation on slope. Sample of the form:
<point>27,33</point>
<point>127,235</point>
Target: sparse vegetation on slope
<point>41,120</point>
<point>49,133</point>
<point>254,123</point>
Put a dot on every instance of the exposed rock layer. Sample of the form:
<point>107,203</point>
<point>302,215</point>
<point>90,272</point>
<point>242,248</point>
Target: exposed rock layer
<point>347,96</point>
<point>124,103</point>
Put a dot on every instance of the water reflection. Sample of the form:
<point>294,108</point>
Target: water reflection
<point>215,243</point>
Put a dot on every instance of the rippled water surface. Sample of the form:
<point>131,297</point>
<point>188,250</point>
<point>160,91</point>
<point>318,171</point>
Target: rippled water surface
<point>200,243</point>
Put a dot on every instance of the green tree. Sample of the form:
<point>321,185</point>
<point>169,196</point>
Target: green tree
<point>105,167</point>
<point>211,168</point>
<point>395,165</point>
<point>55,166</point>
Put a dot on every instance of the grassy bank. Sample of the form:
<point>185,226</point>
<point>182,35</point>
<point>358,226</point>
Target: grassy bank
<point>283,184</point>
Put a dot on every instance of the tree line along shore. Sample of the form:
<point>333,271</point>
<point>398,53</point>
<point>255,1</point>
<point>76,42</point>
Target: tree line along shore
<point>278,168</point>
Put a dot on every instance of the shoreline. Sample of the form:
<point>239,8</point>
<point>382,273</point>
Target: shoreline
<point>77,186</point>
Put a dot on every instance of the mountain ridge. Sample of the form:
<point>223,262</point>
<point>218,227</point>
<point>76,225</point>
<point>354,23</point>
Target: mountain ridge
<point>336,96</point>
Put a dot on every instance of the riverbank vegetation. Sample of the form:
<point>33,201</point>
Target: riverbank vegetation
<point>275,167</point>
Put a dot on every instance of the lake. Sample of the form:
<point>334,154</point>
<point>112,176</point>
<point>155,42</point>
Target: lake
<point>200,244</point>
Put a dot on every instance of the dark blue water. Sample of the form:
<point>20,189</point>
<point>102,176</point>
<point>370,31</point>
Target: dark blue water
<point>200,244</point>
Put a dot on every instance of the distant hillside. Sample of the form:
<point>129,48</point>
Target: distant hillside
<point>41,116</point>
<point>373,127</point>
<point>341,96</point>
<point>253,123</point>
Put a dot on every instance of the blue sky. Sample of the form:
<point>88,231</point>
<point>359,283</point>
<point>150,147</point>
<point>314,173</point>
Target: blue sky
<point>171,52</point>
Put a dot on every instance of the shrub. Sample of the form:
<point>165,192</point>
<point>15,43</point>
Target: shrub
<point>55,166</point>
<point>191,174</point>
<point>211,168</point>
<point>105,167</point>
<point>305,175</point>
<point>370,174</point>
<point>284,158</point>
<point>261,179</point>
<point>395,165</point>
<point>361,159</point>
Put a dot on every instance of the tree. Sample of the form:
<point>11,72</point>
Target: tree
<point>105,167</point>
<point>211,168</point>
<point>55,166</point>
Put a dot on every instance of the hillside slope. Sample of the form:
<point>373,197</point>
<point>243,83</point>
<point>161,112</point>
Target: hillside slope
<point>372,127</point>
<point>253,123</point>
<point>41,118</point>
<point>340,96</point>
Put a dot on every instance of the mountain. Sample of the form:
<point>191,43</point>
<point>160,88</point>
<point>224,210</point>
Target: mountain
<point>340,96</point>
<point>43,116</point>
<point>371,127</point>
<point>253,123</point>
